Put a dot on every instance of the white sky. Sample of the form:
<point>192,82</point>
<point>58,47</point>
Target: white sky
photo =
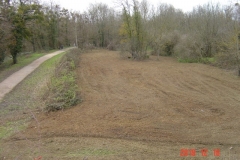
<point>185,5</point>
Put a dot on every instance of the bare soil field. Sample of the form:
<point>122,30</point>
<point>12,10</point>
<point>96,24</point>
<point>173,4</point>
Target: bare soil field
<point>138,110</point>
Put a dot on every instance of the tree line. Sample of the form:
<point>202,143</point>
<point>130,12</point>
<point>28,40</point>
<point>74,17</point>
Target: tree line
<point>136,27</point>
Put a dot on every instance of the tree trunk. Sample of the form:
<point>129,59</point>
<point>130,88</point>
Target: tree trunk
<point>33,45</point>
<point>2,56</point>
<point>14,58</point>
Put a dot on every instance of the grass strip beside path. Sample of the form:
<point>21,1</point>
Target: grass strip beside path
<point>7,68</point>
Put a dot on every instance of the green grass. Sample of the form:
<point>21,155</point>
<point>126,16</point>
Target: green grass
<point>7,68</point>
<point>205,60</point>
<point>9,128</point>
<point>26,99</point>
<point>208,60</point>
<point>54,82</point>
<point>36,84</point>
<point>19,100</point>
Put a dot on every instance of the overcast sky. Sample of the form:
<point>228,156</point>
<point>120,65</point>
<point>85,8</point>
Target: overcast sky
<point>185,5</point>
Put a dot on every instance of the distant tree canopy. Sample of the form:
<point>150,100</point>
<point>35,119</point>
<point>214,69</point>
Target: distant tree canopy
<point>210,30</point>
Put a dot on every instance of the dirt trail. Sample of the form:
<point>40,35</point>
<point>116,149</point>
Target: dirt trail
<point>9,83</point>
<point>162,102</point>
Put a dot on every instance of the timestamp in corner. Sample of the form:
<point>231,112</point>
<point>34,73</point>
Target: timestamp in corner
<point>185,152</point>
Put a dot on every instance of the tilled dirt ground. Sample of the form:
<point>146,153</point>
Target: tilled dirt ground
<point>140,110</point>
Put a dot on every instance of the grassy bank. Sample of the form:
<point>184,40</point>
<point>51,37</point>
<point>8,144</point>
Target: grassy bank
<point>7,68</point>
<point>62,88</point>
<point>20,99</point>
<point>27,99</point>
<point>50,87</point>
